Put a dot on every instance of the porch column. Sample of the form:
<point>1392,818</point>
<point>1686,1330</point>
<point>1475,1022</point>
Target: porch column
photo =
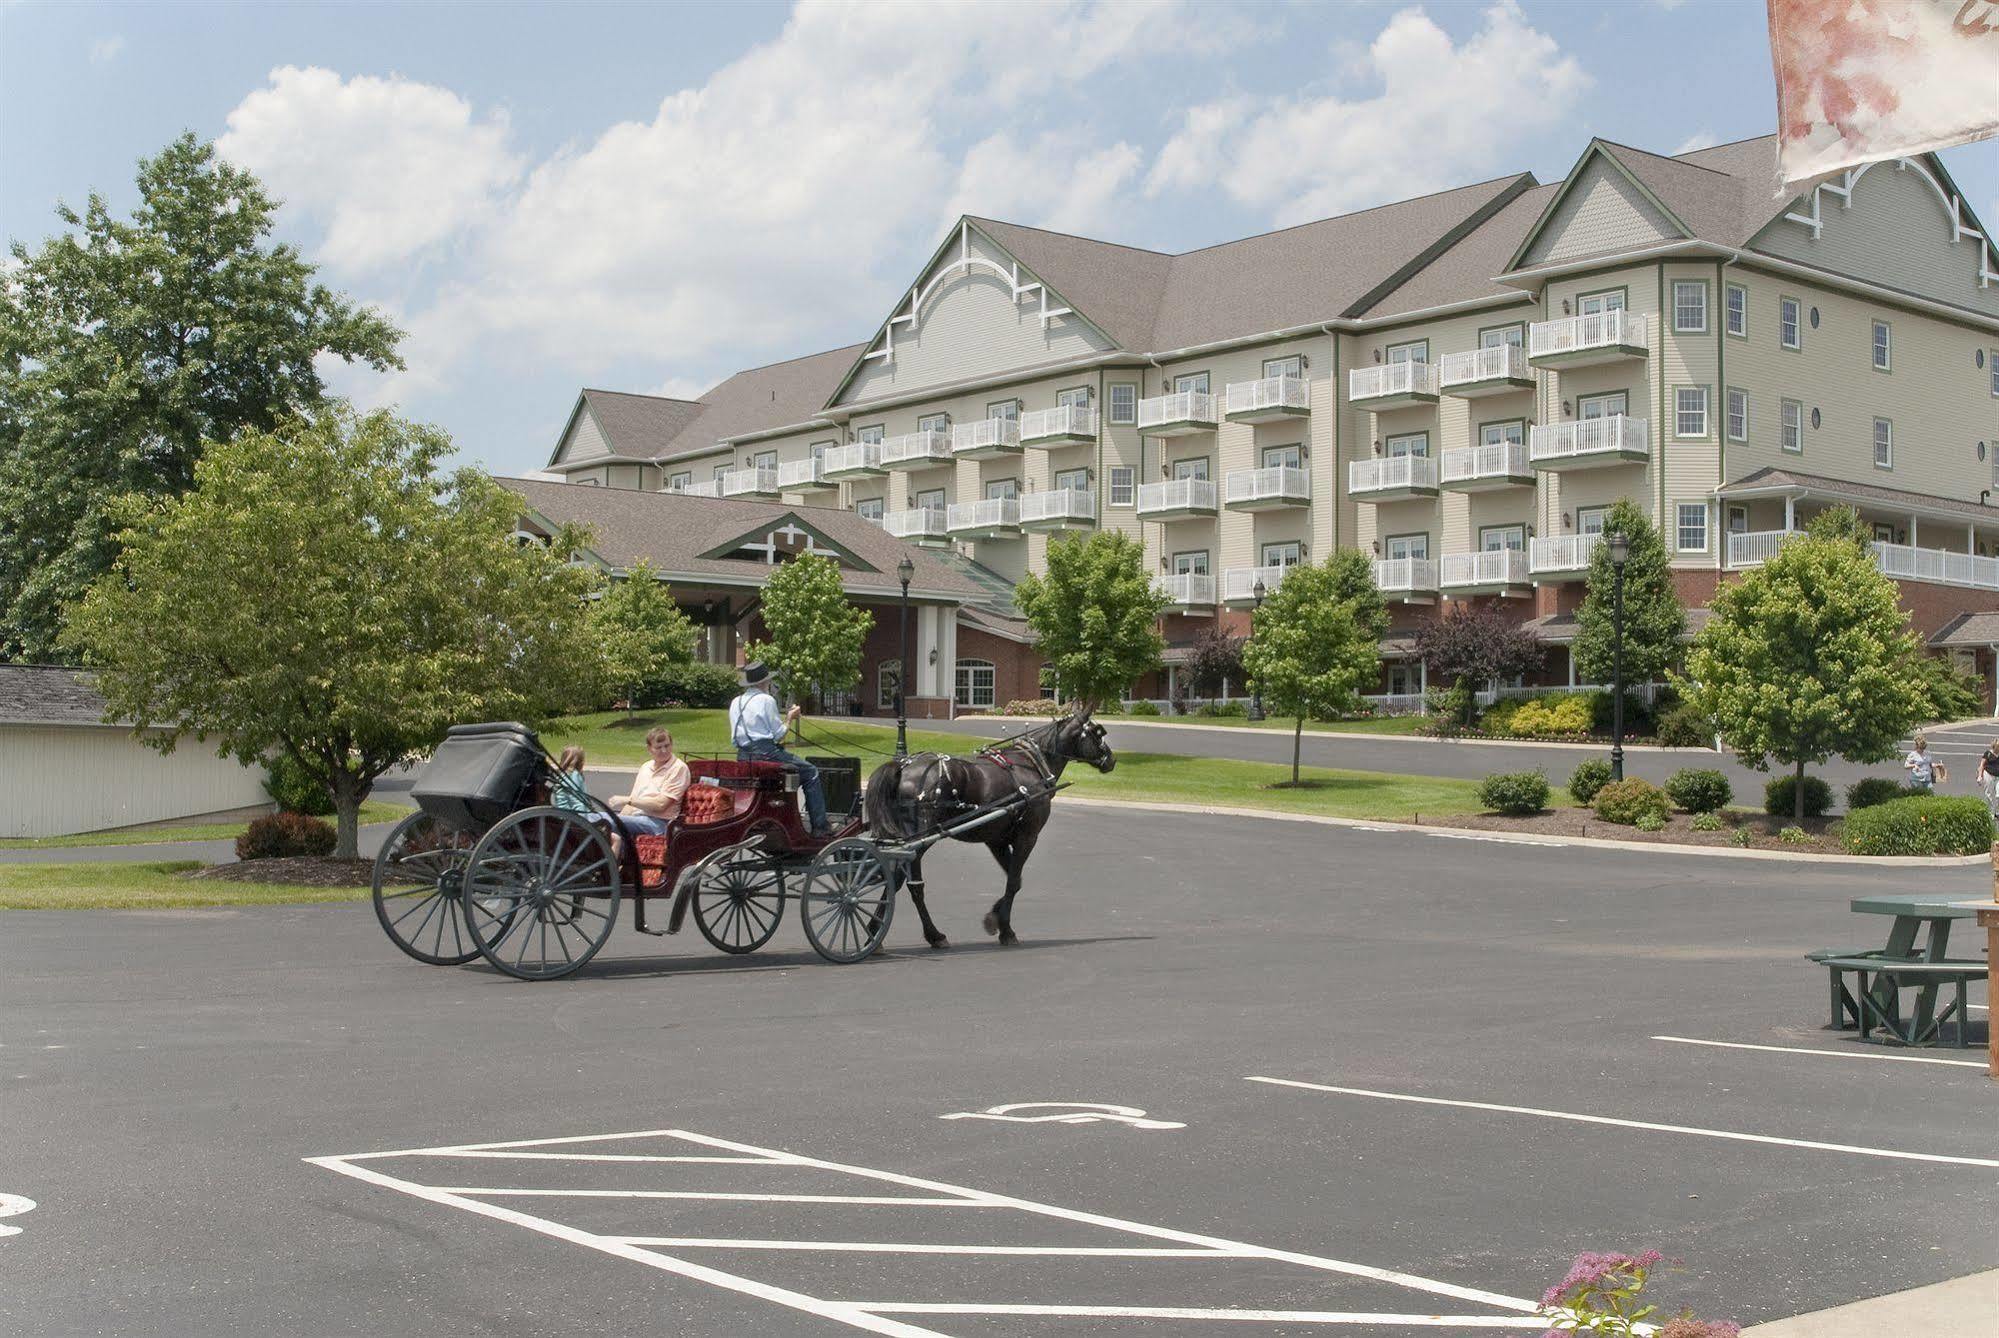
<point>947,656</point>
<point>1572,664</point>
<point>1172,683</point>
<point>923,674</point>
<point>1913,534</point>
<point>1790,512</point>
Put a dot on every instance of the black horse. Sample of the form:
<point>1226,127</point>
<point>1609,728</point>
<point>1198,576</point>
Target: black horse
<point>912,795</point>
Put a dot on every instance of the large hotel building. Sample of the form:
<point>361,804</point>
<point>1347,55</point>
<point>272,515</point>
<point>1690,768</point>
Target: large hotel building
<point>1458,385</point>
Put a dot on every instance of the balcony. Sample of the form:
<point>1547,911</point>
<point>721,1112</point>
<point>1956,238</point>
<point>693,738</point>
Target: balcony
<point>806,475</point>
<point>862,460</point>
<point>1177,415</point>
<point>1937,566</point>
<point>987,518</point>
<point>1064,425</point>
<point>1752,548</point>
<point>1580,341</point>
<point>1177,499</point>
<point>1561,556</point>
<point>1266,400</point>
<point>1484,468</point>
<point>1186,591</point>
<point>712,488</point>
<point>1062,509</point>
<point>1498,370</point>
<point>1412,580</point>
<point>1239,583</point>
<point>986,439</point>
<point>1395,385</point>
<point>1589,443</point>
<point>916,450</point>
<point>756,481</point>
<point>1392,478</point>
<point>1267,489</point>
<point>1501,571</point>
<point>924,525</point>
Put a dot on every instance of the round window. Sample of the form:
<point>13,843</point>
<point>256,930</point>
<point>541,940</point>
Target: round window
<point>1981,452</point>
<point>1815,418</point>
<point>1978,357</point>
<point>1815,318</point>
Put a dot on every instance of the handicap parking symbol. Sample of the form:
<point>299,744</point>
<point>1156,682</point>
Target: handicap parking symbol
<point>1065,1112</point>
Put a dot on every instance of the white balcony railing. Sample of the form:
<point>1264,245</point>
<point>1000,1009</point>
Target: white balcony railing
<point>1064,420</point>
<point>1752,548</point>
<point>1470,464</point>
<point>1503,566</point>
<point>1614,435</point>
<point>924,522</point>
<point>861,456</point>
<point>1908,563</point>
<point>1184,407</point>
<point>987,513</point>
<point>792,474</point>
<point>1062,504</point>
<point>1391,472</point>
<point>926,447</point>
<point>1393,378</point>
<point>1176,495</point>
<point>1581,334</point>
<point>1239,583</point>
<point>1186,589</point>
<point>985,434</point>
<point>711,488</point>
<point>1272,393</point>
<point>1562,552</point>
<point>1403,575</point>
<point>747,482</point>
<point>1501,362</point>
<point>1273,483</point>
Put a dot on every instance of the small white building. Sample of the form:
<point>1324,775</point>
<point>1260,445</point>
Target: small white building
<point>64,770</point>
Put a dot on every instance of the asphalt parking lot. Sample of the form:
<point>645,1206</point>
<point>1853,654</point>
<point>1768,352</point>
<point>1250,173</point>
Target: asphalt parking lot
<point>268,1122</point>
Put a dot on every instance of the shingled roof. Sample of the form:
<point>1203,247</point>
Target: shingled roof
<point>34,694</point>
<point>639,426</point>
<point>1866,494</point>
<point>1974,630</point>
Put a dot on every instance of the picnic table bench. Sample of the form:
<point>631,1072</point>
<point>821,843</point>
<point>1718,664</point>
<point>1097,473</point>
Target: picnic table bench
<point>1903,963</point>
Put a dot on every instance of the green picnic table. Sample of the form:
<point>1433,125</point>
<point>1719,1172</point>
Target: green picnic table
<point>1918,940</point>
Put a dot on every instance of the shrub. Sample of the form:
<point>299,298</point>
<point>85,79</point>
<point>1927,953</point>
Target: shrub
<point>1624,802</point>
<point>1921,825</point>
<point>1637,715</point>
<point>1588,778</point>
<point>1794,836</point>
<point>1650,822</point>
<point>1141,708</point>
<point>1740,837</point>
<point>292,790</point>
<point>1447,706</point>
<point>1698,790</point>
<point>279,835</point>
<point>1682,726</point>
<point>1038,706</point>
<point>1779,797</point>
<point>1952,695</point>
<point>1514,792</point>
<point>1708,822</point>
<point>1564,716</point>
<point>1874,790</point>
<point>695,684</point>
<point>1223,711</point>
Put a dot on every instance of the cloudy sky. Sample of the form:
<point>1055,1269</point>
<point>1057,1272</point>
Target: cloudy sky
<point>649,197</point>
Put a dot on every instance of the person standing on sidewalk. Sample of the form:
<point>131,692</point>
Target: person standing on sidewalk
<point>1988,776</point>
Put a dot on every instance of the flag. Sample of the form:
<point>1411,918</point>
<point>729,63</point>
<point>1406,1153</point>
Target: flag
<point>1863,80</point>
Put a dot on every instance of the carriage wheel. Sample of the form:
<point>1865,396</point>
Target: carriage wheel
<point>541,893</point>
<point>848,900</point>
<point>418,874</point>
<point>738,898</point>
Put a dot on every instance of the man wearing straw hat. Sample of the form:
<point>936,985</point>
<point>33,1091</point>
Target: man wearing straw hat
<point>757,729</point>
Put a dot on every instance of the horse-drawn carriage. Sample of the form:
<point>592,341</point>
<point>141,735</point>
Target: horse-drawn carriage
<point>489,867</point>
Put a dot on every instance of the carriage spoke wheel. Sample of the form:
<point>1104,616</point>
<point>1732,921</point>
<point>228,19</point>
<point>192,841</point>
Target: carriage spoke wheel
<point>738,898</point>
<point>848,900</point>
<point>419,873</point>
<point>541,893</point>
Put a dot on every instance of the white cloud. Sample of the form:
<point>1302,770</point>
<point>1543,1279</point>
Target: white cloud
<point>1439,120</point>
<point>106,49</point>
<point>387,166</point>
<point>1058,180</point>
<point>1700,139</point>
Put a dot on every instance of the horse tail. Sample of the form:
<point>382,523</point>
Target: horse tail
<point>892,794</point>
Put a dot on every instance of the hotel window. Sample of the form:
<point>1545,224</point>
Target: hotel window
<point>1884,444</point>
<point>1076,398</point>
<point>1000,490</point>
<point>1007,409</point>
<point>1072,480</point>
<point>1410,443</point>
<point>1293,367</point>
<point>1590,519</point>
<point>720,470</point>
<point>1401,546</point>
<point>1884,533</point>
<point>1787,322</point>
<point>1513,432</point>
<point>1194,468</point>
<point>930,499</point>
<point>1501,336</point>
<point>1690,411</point>
<point>872,435</point>
<point>1415,351</point>
<point>1192,563</point>
<point>1689,307</point>
<point>1121,486</point>
<point>886,678</point>
<point>1693,527</point>
<point>1194,383</point>
<point>1883,347</point>
<point>819,449</point>
<point>680,482</point>
<point>1992,366</point>
<point>764,460</point>
<point>1738,520</point>
<point>869,508</point>
<point>1284,457</point>
<point>1124,402</point>
<point>1791,431</point>
<point>976,682</point>
<point>1738,414</point>
<point>1503,539</point>
<point>1738,311</point>
<point>934,422</point>
<point>1284,554</point>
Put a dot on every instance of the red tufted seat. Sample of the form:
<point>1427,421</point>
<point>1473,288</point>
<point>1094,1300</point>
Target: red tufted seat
<point>704,804</point>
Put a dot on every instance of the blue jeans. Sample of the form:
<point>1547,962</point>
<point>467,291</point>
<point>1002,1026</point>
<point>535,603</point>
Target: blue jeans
<point>642,824</point>
<point>763,750</point>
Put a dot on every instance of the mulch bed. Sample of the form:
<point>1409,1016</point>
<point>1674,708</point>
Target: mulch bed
<point>1679,829</point>
<point>294,871</point>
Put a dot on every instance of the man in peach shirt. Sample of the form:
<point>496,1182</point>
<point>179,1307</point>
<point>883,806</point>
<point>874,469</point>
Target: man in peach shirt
<point>656,793</point>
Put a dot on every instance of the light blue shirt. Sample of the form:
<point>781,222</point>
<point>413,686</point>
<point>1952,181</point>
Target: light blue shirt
<point>754,717</point>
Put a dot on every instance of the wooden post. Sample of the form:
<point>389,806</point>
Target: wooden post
<point>1988,917</point>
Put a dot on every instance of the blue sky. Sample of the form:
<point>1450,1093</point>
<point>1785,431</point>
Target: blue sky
<point>649,197</point>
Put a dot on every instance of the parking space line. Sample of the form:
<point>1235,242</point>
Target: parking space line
<point>875,1200</point>
<point>1197,1312</point>
<point>1574,1117</point>
<point>1834,1054</point>
<point>920,1247</point>
<point>597,1156</point>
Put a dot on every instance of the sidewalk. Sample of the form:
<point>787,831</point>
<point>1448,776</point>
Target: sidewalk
<point>1961,1308</point>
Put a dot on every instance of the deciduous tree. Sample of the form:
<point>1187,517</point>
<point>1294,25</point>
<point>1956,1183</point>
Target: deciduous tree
<point>815,635</point>
<point>1214,661</point>
<point>1654,620</point>
<point>1095,615</point>
<point>639,631</point>
<point>1316,643</point>
<point>1471,646</point>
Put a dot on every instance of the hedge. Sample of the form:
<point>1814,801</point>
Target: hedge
<point>1699,790</point>
<point>1625,802</point>
<point>1780,794</point>
<point>281,835</point>
<point>1516,793</point>
<point>1921,825</point>
<point>1588,778</point>
<point>1875,790</point>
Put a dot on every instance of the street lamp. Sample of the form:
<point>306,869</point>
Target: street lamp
<point>1619,545</point>
<point>903,571</point>
<point>1256,689</point>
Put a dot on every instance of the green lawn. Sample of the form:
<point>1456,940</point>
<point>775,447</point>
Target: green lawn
<point>113,886</point>
<point>611,738</point>
<point>1217,781</point>
<point>1380,724</point>
<point>157,833</point>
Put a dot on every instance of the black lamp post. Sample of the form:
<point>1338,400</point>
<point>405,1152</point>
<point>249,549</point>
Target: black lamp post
<point>1620,553</point>
<point>1256,691</point>
<point>903,571</point>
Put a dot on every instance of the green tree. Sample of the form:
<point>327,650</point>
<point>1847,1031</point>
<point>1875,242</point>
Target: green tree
<point>815,633</point>
<point>639,631</point>
<point>127,344</point>
<point>1654,620</point>
<point>323,592</point>
<point>1095,615</point>
<point>1315,646</point>
<point>1807,657</point>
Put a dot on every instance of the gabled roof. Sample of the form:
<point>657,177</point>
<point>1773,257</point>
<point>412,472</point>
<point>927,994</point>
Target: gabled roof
<point>639,426</point>
<point>1465,271</point>
<point>35,694</point>
<point>1117,288</point>
<point>1968,629</point>
<point>1772,479</point>
<point>780,394</point>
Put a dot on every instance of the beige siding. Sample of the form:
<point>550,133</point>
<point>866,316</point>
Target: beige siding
<point>1639,379</point>
<point>584,441</point>
<point>1691,465</point>
<point>63,779</point>
<point>1604,212</point>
